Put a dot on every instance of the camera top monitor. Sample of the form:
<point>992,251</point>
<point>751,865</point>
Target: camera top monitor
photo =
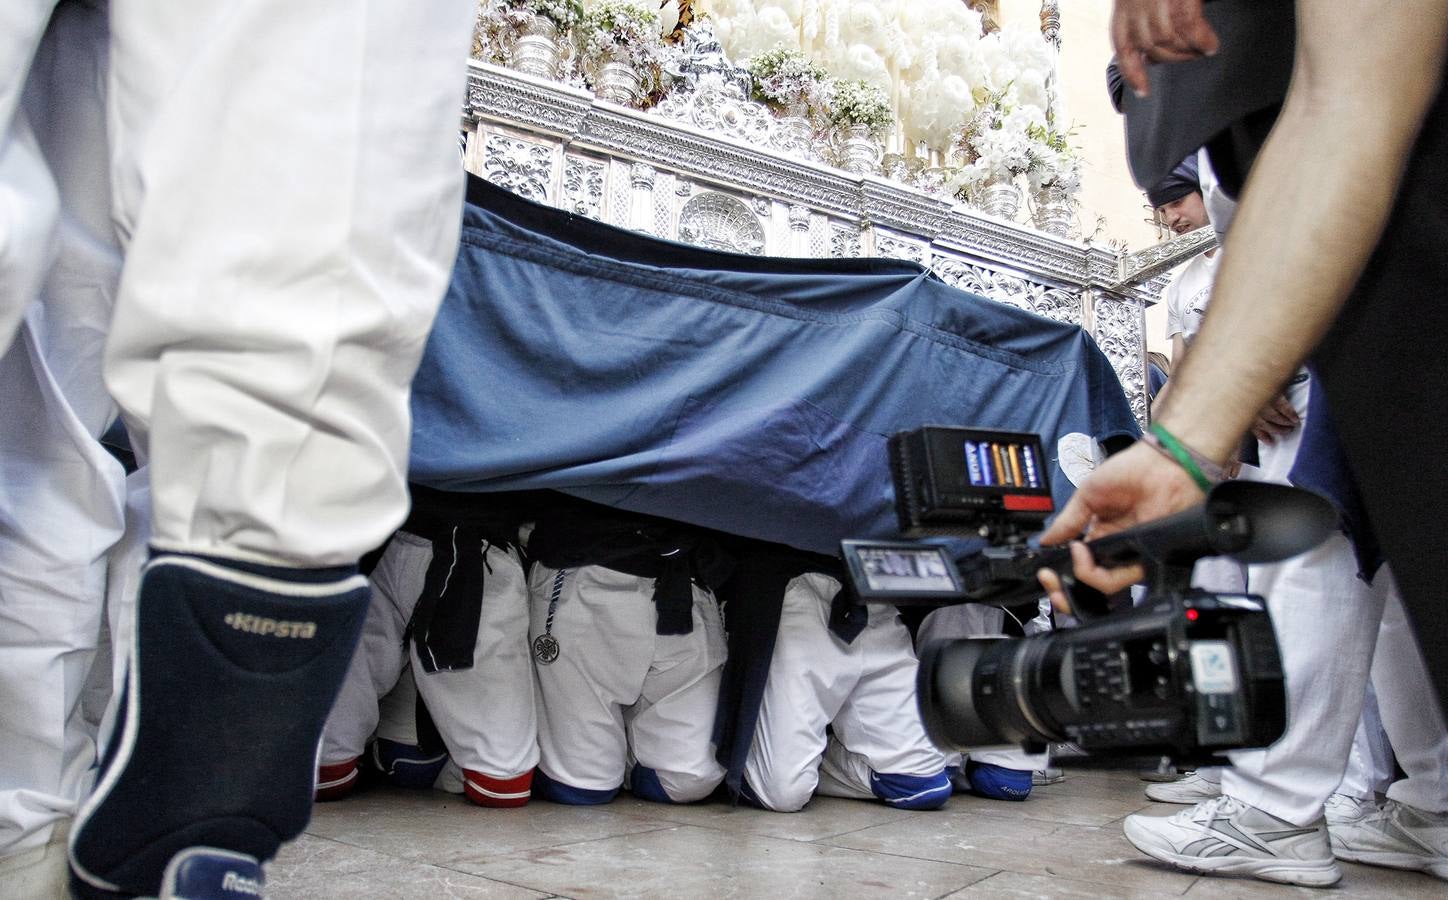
<point>969,481</point>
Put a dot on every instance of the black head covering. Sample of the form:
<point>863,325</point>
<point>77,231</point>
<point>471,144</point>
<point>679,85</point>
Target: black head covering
<point>1177,184</point>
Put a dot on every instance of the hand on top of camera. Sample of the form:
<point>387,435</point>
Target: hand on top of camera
<point>1135,486</point>
<point>1158,31</point>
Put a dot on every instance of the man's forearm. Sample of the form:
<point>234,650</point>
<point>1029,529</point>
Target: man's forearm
<point>1313,209</point>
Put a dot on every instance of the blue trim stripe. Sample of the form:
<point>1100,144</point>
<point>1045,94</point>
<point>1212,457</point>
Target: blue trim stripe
<point>558,792</point>
<point>911,791</point>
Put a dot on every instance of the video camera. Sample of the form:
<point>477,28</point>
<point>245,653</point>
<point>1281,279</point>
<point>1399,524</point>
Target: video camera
<point>1186,674</point>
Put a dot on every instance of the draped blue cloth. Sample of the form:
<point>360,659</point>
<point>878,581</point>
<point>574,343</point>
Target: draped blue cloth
<point>749,394</point>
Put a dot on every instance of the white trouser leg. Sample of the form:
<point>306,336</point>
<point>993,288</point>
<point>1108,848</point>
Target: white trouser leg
<point>123,581</point>
<point>670,727</point>
<point>1326,622</point>
<point>288,185</point>
<point>378,661</point>
<point>1370,761</point>
<point>1414,724</point>
<point>880,719</point>
<point>810,675</point>
<point>29,202</point>
<point>604,624</point>
<point>487,714</point>
<point>973,620</point>
<point>60,492</point>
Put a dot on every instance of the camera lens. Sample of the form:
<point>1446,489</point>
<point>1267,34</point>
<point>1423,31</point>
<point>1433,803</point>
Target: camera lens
<point>945,687</point>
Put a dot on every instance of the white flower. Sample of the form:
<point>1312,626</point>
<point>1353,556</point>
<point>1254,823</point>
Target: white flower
<point>668,16</point>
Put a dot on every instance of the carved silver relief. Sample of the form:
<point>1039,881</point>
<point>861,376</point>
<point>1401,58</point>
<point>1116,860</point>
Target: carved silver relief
<point>896,248</point>
<point>1159,258</point>
<point>583,182</point>
<point>1120,332</point>
<point>720,222</point>
<point>845,242</point>
<point>523,167</point>
<point>642,175</point>
<point>718,106</point>
<point>1053,303</point>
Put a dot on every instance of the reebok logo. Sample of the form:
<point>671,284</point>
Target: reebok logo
<point>271,627</point>
<point>240,884</point>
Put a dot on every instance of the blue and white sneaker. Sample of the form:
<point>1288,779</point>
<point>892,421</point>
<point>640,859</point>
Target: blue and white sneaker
<point>206,873</point>
<point>998,782</point>
<point>1224,836</point>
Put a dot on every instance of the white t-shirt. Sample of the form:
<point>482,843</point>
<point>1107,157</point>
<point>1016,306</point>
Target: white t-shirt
<point>1188,295</point>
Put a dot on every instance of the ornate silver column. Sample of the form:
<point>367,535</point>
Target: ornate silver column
<point>641,210</point>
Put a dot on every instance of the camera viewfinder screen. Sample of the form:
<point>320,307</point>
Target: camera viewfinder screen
<point>1003,464</point>
<point>906,569</point>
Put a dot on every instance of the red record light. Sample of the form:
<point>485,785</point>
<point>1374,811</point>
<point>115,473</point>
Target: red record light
<point>1193,615</point>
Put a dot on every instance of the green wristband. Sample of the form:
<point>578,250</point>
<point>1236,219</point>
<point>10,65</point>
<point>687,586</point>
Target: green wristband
<point>1178,452</point>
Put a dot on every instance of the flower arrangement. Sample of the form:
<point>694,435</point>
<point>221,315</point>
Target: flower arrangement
<point>785,79</point>
<point>501,22</point>
<point>858,103</point>
<point>564,14</point>
<point>626,32</point>
<point>997,145</point>
<point>1057,165</point>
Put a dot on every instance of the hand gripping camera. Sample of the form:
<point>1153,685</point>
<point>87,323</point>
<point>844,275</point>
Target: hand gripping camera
<point>1186,674</point>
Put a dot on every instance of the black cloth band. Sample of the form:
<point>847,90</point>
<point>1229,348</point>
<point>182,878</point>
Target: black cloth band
<point>570,533</point>
<point>445,620</point>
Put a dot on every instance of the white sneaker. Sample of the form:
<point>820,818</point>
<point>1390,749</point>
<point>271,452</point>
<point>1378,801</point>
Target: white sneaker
<point>1343,811</point>
<point>1187,790</point>
<point>1398,836</point>
<point>1048,775</point>
<point>1226,837</point>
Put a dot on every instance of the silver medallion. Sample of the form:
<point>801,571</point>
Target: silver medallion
<point>545,649</point>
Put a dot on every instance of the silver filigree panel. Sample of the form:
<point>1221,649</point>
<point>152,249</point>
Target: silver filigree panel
<point>523,167</point>
<point>720,222</point>
<point>664,204</point>
<point>819,237</point>
<point>619,192</point>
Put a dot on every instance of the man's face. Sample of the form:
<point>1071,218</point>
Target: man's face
<point>1185,214</point>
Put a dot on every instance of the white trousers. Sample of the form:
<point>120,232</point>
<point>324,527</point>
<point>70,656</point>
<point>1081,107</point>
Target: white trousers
<point>283,182</point>
<point>61,494</point>
<point>485,714</point>
<point>864,691</point>
<point>618,693</point>
<point>973,620</point>
<point>1327,623</point>
<point>1370,761</point>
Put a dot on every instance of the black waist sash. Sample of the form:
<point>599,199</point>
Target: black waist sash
<point>461,528</point>
<point>572,533</point>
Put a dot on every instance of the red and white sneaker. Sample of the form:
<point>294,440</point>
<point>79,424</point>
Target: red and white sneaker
<point>336,780</point>
<point>498,793</point>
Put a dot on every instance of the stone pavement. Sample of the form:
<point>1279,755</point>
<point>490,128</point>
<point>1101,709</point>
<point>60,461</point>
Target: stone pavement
<point>1065,841</point>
